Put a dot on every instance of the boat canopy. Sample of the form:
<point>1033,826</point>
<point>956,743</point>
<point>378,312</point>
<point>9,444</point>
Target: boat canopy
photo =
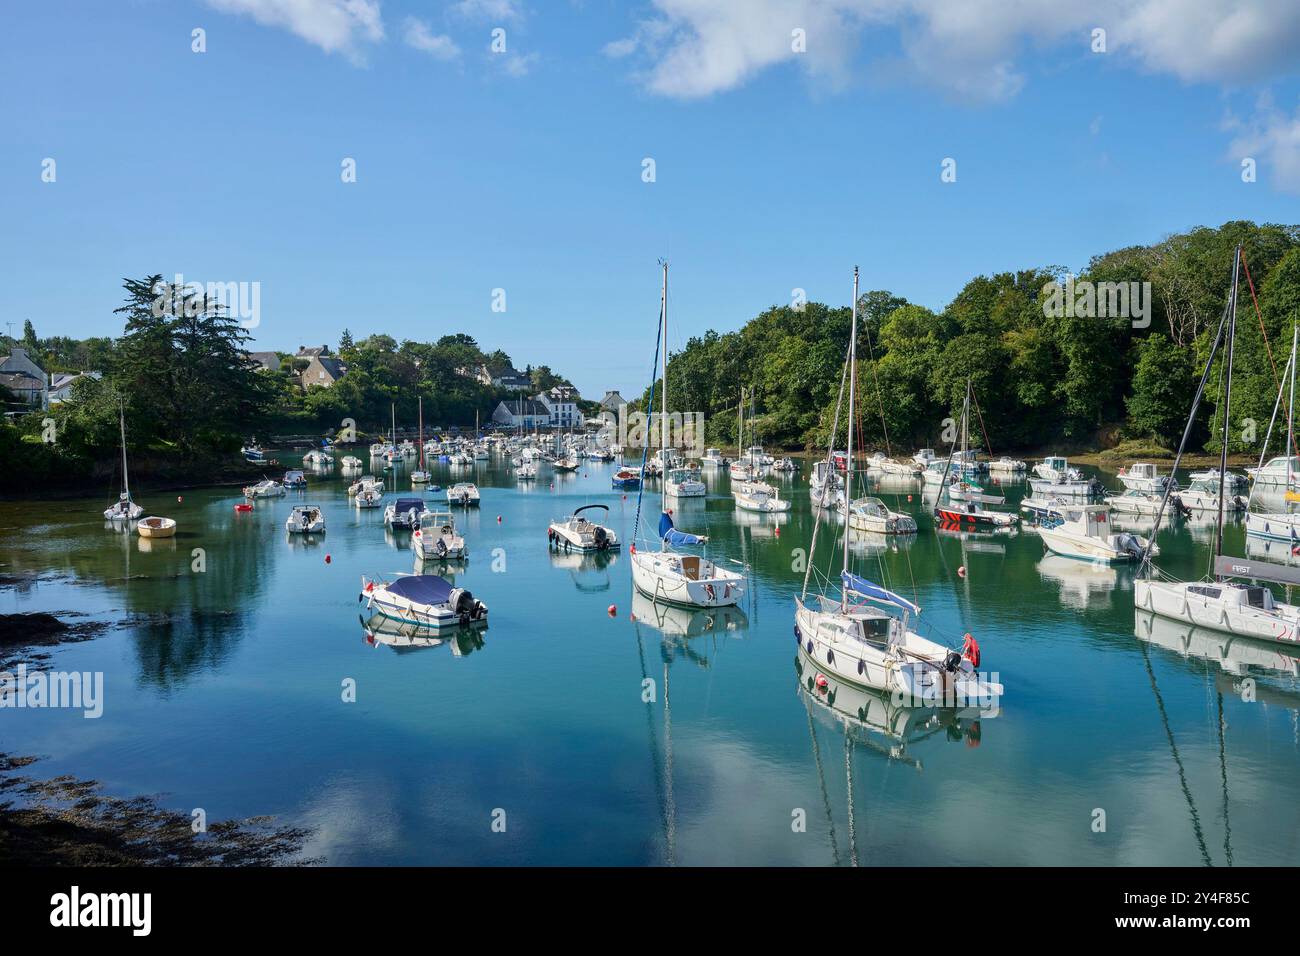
<point>422,588</point>
<point>409,504</point>
<point>586,507</point>
<point>672,535</point>
<point>874,592</point>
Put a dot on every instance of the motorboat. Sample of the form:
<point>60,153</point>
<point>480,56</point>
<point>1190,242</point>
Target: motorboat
<point>153,527</point>
<point>253,452</point>
<point>566,463</point>
<point>713,458</point>
<point>1143,503</point>
<point>742,470</point>
<point>1233,482</point>
<point>626,479</point>
<point>265,489</point>
<point>294,479</point>
<point>1007,466</point>
<point>1203,495</point>
<point>1057,469</point>
<point>404,514</point>
<point>1044,509</point>
<point>1084,532</point>
<point>419,477</point>
<point>825,486</point>
<point>527,471</point>
<point>305,519</point>
<point>684,483</point>
<point>427,600</point>
<point>1274,526</point>
<point>370,493</point>
<point>1143,476</point>
<point>871,514</point>
<point>318,459</point>
<point>463,493</point>
<point>436,537</point>
<point>786,465</point>
<point>579,533</point>
<point>923,458</point>
<point>351,463</point>
<point>1279,471</point>
<point>758,496</point>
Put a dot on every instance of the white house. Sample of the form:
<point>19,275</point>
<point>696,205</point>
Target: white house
<point>61,384</point>
<point>561,404</point>
<point>24,378</point>
<point>521,412</point>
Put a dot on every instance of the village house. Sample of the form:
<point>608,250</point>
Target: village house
<point>61,384</point>
<point>25,379</point>
<point>500,376</point>
<point>612,401</point>
<point>323,371</point>
<point>267,361</point>
<point>561,404</point>
<point>522,413</point>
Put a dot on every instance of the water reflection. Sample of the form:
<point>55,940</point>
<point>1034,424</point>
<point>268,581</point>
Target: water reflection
<point>1081,583</point>
<point>589,570</point>
<point>402,638</point>
<point>1235,656</point>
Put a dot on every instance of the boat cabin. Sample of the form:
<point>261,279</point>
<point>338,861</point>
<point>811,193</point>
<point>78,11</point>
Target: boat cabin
<point>1243,595</point>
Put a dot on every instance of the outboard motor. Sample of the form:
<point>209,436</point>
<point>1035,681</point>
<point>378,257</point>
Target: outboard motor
<point>1179,507</point>
<point>952,662</point>
<point>462,604</point>
<point>602,538</point>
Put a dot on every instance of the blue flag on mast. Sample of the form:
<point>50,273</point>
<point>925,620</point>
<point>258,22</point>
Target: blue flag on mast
<point>671,535</point>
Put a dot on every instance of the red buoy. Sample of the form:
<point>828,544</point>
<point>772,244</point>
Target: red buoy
<point>961,571</point>
<point>613,611</point>
<point>778,531</point>
<point>909,497</point>
<point>822,682</point>
<point>498,519</point>
<point>327,559</point>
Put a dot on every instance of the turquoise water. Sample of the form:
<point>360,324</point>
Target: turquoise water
<point>224,690</point>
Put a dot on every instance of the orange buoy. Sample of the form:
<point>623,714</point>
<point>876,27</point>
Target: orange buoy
<point>613,611</point>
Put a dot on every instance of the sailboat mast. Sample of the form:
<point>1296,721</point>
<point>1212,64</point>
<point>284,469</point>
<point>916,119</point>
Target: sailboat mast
<point>663,423</point>
<point>1290,411</point>
<point>1227,404</point>
<point>121,420</point>
<point>848,465</point>
<point>421,439</point>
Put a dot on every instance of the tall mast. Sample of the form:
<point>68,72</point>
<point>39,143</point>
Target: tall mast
<point>848,465</point>
<point>663,424</point>
<point>1290,411</point>
<point>421,439</point>
<point>1227,404</point>
<point>126,482</point>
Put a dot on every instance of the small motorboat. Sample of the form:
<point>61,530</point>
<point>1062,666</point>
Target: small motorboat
<point>684,483</point>
<point>713,458</point>
<point>318,459</point>
<point>578,533</point>
<point>870,514</point>
<point>626,479</point>
<point>1084,532</point>
<point>351,463</point>
<point>436,538</point>
<point>785,464</point>
<point>463,493</point>
<point>567,463</point>
<point>156,527</point>
<point>759,496</point>
<point>972,515</point>
<point>264,489</point>
<point>404,514</point>
<point>369,493</point>
<point>527,471</point>
<point>1007,466</point>
<point>1143,476</point>
<point>427,600</point>
<point>253,452</point>
<point>419,477</point>
<point>295,479</point>
<point>305,519</point>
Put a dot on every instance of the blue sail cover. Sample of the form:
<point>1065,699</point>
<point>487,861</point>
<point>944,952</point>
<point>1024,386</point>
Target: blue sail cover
<point>874,592</point>
<point>672,535</point>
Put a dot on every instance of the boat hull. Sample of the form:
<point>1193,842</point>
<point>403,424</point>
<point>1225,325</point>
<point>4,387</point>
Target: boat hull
<point>653,577</point>
<point>1174,601</point>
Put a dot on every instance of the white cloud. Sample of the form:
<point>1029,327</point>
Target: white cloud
<point>967,48</point>
<point>336,26</point>
<point>495,10</point>
<point>517,65</point>
<point>417,34</point>
<point>1271,137</point>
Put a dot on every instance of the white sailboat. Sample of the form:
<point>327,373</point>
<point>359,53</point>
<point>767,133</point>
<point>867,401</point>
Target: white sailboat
<point>420,476</point>
<point>870,647</point>
<point>664,574</point>
<point>124,509</point>
<point>1221,601</point>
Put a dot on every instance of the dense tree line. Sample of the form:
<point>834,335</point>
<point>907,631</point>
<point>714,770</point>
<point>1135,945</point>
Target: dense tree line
<point>180,373</point>
<point>1042,379</point>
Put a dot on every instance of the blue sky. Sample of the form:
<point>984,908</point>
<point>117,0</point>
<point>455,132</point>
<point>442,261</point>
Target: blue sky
<point>522,170</point>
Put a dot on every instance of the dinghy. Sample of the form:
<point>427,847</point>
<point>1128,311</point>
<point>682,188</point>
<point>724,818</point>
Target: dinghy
<point>156,527</point>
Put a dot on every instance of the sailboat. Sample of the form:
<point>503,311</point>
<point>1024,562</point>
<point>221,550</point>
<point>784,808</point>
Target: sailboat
<point>124,509</point>
<point>854,638</point>
<point>420,476</point>
<point>742,467</point>
<point>1221,602</point>
<point>665,575</point>
<point>965,500</point>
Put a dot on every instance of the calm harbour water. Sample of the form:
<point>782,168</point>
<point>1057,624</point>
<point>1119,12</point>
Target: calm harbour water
<point>225,692</point>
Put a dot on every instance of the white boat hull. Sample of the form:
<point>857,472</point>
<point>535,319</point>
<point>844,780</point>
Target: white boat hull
<point>1173,600</point>
<point>654,574</point>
